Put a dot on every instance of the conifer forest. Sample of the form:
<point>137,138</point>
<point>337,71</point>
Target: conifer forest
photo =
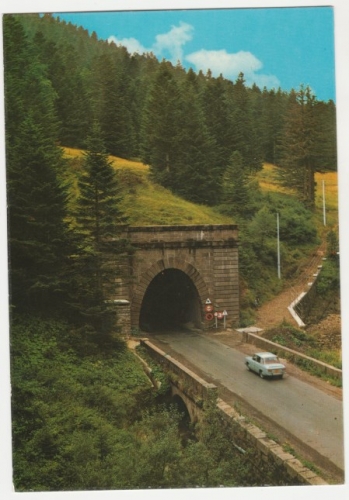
<point>83,414</point>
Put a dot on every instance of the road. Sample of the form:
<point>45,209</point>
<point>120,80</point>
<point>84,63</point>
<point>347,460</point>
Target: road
<point>306,412</point>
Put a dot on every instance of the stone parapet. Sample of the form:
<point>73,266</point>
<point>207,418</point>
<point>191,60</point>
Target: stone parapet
<point>194,386</point>
<point>281,467</point>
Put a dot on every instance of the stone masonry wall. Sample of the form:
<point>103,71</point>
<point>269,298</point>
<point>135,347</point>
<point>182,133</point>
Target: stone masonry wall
<point>272,462</point>
<point>197,389</point>
<point>208,254</point>
<point>225,278</point>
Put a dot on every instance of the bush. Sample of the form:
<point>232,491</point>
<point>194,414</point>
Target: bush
<point>329,278</point>
<point>258,247</point>
<point>296,222</point>
<point>67,409</point>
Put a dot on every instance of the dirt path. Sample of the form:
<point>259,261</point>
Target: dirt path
<point>274,312</point>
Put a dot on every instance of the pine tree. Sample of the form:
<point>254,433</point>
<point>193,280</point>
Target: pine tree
<point>16,63</point>
<point>112,105</point>
<point>273,107</point>
<point>196,170</point>
<point>326,145</point>
<point>36,199</point>
<point>37,207</point>
<point>299,146</point>
<point>214,104</point>
<point>161,127</point>
<point>73,103</point>
<point>98,225</point>
<point>236,194</point>
<point>243,130</point>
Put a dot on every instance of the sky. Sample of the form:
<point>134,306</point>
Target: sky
<point>273,47</point>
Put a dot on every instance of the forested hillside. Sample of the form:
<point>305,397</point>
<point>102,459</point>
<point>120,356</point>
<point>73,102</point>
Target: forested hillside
<point>204,139</point>
<point>97,138</point>
<point>186,126</point>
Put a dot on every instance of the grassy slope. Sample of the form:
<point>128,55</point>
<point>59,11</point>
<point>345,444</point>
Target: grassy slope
<point>268,182</point>
<point>146,203</point>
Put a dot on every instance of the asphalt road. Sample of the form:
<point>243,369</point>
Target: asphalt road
<point>304,411</point>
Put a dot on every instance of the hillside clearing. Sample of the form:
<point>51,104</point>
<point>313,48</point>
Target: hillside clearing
<point>146,203</point>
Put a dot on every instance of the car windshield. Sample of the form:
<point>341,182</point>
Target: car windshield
<point>268,361</point>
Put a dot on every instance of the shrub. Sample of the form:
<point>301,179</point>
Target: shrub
<point>329,278</point>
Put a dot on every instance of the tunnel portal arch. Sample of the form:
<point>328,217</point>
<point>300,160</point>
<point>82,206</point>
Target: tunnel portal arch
<point>170,301</point>
<point>170,294</point>
<point>207,255</point>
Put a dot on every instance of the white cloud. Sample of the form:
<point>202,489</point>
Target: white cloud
<point>170,46</point>
<point>230,65</point>
<point>220,61</point>
<point>131,44</point>
<point>268,81</point>
<point>172,42</point>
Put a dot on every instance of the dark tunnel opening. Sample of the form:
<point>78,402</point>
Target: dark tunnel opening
<point>170,302</point>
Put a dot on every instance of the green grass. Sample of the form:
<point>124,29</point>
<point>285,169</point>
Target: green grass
<point>305,343</point>
<point>268,180</point>
<point>331,199</point>
<point>330,357</point>
<point>70,405</point>
<point>154,205</point>
<point>145,203</point>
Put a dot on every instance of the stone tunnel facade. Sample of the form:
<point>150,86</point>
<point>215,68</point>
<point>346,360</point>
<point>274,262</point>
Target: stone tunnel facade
<point>206,254</point>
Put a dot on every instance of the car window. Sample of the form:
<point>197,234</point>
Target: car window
<point>271,360</point>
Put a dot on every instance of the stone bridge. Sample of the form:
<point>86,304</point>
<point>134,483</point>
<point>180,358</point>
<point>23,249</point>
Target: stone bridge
<point>176,275</point>
<point>263,452</point>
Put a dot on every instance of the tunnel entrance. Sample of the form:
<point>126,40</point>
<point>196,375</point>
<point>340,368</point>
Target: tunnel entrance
<point>170,302</point>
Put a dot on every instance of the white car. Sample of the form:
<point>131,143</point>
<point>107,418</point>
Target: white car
<point>266,364</point>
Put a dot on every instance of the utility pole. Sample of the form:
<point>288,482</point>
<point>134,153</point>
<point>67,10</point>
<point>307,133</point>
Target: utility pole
<point>324,202</point>
<point>278,243</point>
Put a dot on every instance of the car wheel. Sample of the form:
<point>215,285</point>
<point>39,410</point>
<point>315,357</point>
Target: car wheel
<point>261,374</point>
<point>247,366</point>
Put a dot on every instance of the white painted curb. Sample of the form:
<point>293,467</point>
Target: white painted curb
<point>293,312</point>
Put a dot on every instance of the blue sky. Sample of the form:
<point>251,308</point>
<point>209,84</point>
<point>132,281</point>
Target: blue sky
<point>273,47</point>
